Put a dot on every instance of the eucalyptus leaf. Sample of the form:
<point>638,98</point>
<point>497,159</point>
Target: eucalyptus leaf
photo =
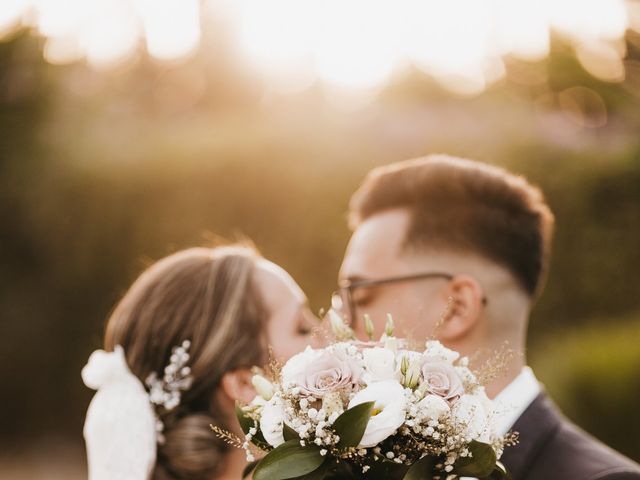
<point>247,423</point>
<point>350,426</point>
<point>385,470</point>
<point>499,473</point>
<point>320,473</point>
<point>421,470</point>
<point>289,460</point>
<point>289,433</point>
<point>481,463</point>
<point>249,468</point>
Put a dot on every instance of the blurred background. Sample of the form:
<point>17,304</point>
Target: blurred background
<point>133,128</point>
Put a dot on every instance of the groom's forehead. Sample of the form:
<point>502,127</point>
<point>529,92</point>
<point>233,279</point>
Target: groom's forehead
<point>375,245</point>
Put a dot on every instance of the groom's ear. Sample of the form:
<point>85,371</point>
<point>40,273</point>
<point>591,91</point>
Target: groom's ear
<point>237,385</point>
<point>465,308</point>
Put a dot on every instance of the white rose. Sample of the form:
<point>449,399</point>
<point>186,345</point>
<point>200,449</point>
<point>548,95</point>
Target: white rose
<point>441,378</point>
<point>319,372</point>
<point>296,366</point>
<point>388,411</point>
<point>271,421</point>
<point>380,364</point>
<point>436,351</point>
<point>433,407</point>
<point>470,412</point>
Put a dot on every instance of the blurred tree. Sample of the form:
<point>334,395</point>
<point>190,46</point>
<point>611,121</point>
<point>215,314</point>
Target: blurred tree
<point>593,375</point>
<point>101,173</point>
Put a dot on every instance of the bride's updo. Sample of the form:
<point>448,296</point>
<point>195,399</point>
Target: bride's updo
<point>206,296</point>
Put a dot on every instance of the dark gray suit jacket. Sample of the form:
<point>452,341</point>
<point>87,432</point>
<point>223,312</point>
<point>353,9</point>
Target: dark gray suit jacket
<point>552,448</point>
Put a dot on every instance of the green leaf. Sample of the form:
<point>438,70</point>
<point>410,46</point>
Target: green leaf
<point>249,468</point>
<point>289,433</point>
<point>289,460</point>
<point>481,464</point>
<point>499,473</point>
<point>319,473</point>
<point>421,470</point>
<point>385,470</point>
<point>350,426</point>
<point>246,423</point>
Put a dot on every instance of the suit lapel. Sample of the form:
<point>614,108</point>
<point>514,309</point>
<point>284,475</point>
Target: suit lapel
<point>538,422</point>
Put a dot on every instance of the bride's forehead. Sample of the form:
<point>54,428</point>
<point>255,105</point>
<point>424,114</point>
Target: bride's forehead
<point>271,276</point>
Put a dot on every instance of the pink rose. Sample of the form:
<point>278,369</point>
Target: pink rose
<point>318,372</point>
<point>441,379</point>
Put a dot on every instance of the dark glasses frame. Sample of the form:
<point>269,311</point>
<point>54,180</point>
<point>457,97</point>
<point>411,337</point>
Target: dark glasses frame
<point>347,287</point>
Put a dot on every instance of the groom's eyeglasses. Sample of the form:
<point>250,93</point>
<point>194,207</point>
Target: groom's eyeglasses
<point>342,299</point>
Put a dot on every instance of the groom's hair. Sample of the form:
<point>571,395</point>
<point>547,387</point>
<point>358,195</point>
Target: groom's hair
<point>464,206</point>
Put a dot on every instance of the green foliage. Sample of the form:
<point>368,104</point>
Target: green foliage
<point>246,423</point>
<point>289,433</point>
<point>352,423</point>
<point>421,470</point>
<point>499,473</point>
<point>98,179</point>
<point>289,460</point>
<point>249,468</point>
<point>593,375</point>
<point>480,464</point>
<point>385,470</point>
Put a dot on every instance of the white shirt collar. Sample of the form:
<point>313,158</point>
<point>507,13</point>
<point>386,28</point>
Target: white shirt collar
<point>514,399</point>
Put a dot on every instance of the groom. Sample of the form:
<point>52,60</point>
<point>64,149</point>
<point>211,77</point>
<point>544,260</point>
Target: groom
<point>442,234</point>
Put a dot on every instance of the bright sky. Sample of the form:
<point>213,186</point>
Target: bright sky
<point>349,44</point>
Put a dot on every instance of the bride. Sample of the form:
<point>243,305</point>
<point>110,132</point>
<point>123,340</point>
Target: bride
<point>179,348</point>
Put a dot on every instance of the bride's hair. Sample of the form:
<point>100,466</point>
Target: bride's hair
<point>208,297</point>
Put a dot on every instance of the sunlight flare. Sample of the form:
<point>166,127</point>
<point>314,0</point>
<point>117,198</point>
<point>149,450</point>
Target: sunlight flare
<point>348,46</point>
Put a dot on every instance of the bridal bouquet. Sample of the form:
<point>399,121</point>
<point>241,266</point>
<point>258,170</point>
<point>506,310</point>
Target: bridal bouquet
<point>372,410</point>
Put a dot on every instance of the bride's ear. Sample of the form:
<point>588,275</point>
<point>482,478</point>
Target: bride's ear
<point>237,385</point>
<point>465,310</point>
